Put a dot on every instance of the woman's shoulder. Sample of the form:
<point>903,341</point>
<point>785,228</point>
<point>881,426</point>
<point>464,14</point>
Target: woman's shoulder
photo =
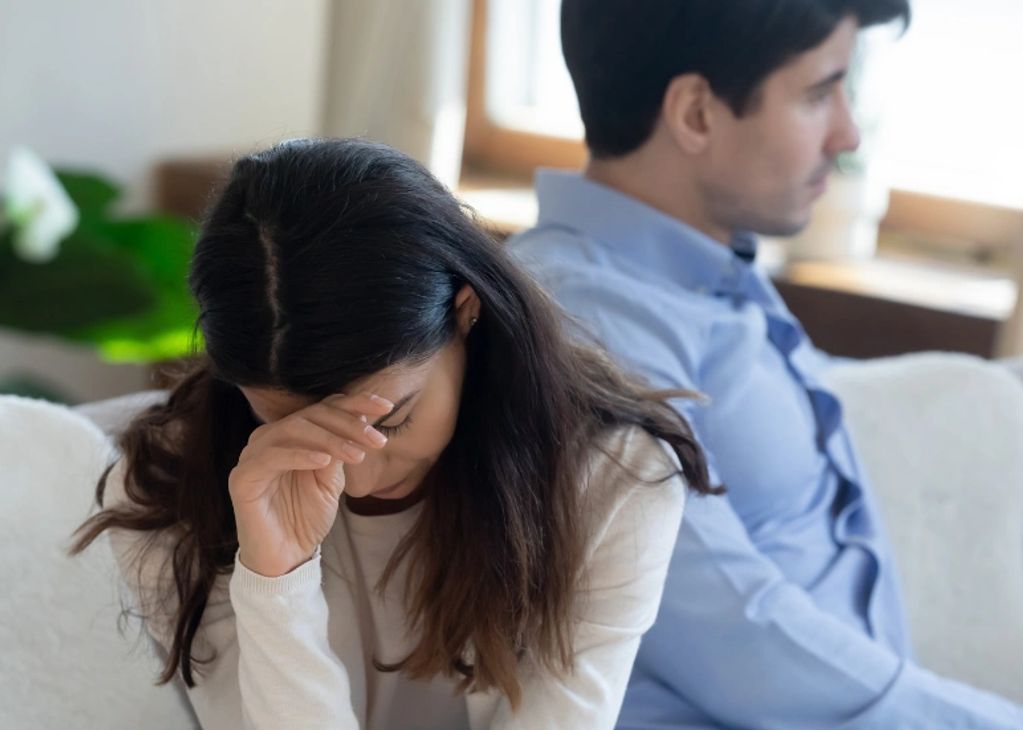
<point>628,464</point>
<point>637,452</point>
<point>633,505</point>
<point>145,560</point>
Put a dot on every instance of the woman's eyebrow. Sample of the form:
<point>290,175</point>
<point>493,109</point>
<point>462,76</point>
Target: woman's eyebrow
<point>397,407</point>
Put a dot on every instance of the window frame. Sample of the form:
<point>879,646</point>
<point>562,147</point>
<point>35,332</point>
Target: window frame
<point>495,150</point>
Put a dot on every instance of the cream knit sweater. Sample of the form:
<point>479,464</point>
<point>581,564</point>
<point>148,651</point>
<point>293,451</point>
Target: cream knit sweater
<point>297,651</point>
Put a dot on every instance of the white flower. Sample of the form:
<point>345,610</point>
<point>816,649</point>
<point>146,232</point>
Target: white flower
<point>38,206</point>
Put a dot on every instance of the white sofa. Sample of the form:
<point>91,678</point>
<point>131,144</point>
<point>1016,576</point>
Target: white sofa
<point>942,439</point>
<point>941,435</point>
<point>63,663</point>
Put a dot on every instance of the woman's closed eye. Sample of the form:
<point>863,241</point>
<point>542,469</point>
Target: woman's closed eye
<point>396,428</point>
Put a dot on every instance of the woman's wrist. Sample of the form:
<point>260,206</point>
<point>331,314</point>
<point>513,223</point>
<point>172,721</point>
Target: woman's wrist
<point>302,579</point>
<point>276,568</point>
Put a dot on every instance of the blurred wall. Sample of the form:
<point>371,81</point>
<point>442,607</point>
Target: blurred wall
<point>120,84</point>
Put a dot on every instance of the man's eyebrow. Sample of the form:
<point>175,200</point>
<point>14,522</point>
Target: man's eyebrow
<point>829,81</point>
<point>397,407</point>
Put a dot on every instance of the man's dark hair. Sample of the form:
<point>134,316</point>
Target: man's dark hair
<point>622,54</point>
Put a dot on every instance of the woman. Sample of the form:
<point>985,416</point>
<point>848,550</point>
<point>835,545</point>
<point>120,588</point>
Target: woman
<point>392,495</point>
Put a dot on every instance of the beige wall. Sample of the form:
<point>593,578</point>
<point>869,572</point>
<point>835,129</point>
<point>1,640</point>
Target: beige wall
<point>120,84</point>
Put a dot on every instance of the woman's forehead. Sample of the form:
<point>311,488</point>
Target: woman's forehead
<point>393,383</point>
<point>396,381</point>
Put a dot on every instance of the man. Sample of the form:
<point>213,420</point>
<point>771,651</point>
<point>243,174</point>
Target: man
<point>708,121</point>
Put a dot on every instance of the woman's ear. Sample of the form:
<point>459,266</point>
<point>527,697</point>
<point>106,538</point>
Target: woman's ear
<point>467,309</point>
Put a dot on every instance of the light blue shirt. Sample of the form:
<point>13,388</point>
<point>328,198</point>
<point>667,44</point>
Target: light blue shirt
<point>781,607</point>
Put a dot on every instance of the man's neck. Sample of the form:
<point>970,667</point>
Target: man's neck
<point>648,180</point>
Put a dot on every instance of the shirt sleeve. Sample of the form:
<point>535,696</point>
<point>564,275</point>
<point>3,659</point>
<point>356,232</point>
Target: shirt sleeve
<point>270,664</point>
<point>635,514</point>
<point>735,640</point>
<point>748,648</point>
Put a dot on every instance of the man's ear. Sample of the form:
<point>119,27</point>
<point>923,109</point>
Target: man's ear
<point>467,309</point>
<point>687,112</point>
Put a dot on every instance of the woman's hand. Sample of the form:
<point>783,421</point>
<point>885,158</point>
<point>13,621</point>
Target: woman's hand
<point>290,476</point>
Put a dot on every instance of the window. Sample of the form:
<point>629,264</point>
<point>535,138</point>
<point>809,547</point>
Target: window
<point>955,110</point>
<point>535,95</point>
<point>951,142</point>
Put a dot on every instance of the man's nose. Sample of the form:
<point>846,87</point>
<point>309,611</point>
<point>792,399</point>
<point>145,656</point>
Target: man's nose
<point>845,133</point>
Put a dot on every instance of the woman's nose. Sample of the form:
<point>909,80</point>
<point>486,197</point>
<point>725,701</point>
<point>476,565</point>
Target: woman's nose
<point>366,475</point>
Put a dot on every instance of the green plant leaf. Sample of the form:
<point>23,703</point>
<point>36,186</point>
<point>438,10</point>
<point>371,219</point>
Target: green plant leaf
<point>118,284</point>
<point>163,332</point>
<point>78,288</point>
<point>92,194</point>
<point>162,245</point>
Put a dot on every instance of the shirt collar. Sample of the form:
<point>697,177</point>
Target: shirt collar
<point>649,237</point>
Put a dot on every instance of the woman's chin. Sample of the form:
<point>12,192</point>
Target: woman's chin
<point>394,491</point>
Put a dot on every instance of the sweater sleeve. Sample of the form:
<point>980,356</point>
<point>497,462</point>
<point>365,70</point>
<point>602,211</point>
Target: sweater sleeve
<point>634,516</point>
<point>265,660</point>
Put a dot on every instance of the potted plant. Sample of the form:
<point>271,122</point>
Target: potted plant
<point>74,275</point>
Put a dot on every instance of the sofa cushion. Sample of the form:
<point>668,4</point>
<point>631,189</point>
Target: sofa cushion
<point>941,437</point>
<point>64,663</point>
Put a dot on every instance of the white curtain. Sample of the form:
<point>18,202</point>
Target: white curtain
<point>396,72</point>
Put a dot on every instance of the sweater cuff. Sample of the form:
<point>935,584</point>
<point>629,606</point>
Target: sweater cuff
<point>303,577</point>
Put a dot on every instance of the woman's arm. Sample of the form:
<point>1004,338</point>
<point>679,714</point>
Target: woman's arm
<point>633,528</point>
<point>272,666</point>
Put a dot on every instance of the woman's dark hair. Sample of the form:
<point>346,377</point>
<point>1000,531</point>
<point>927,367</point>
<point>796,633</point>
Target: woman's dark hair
<point>322,262</point>
<point>622,54</point>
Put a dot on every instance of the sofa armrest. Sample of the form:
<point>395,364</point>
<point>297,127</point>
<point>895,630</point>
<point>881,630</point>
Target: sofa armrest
<point>64,664</point>
<point>114,414</point>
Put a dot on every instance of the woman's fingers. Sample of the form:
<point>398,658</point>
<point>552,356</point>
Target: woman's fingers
<point>363,407</point>
<point>342,419</point>
<point>259,470</point>
<point>302,431</point>
<point>326,434</point>
<point>345,426</point>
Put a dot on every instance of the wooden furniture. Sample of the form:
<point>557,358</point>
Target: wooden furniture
<point>890,305</point>
<point>185,187</point>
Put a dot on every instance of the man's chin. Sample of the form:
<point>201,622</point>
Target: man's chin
<point>781,228</point>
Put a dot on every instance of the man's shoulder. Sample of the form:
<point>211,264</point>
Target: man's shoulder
<point>599,287</point>
<point>650,327</point>
<point>550,244</point>
<point>571,265</point>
